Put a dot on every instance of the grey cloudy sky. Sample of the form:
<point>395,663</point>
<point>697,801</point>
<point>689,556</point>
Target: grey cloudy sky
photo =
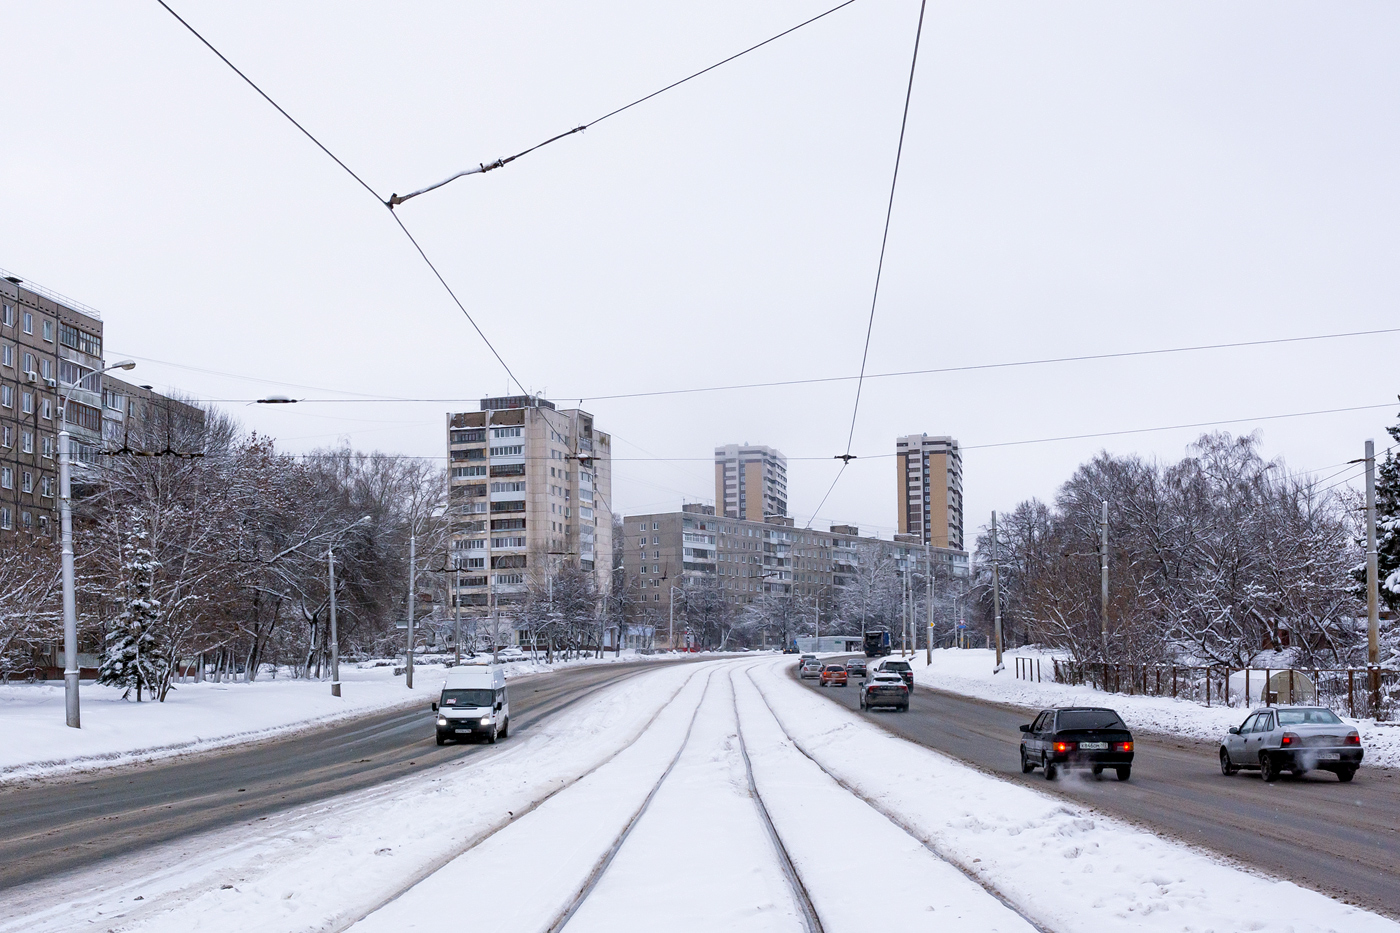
<point>1078,178</point>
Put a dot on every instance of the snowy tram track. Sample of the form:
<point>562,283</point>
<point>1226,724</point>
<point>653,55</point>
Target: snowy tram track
<point>932,887</point>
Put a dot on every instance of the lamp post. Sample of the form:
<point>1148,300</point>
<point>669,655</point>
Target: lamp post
<point>335,637</point>
<point>65,517</point>
<point>671,606</point>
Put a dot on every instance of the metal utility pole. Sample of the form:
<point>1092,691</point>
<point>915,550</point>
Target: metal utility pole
<point>928,646</point>
<point>1103,580</point>
<point>1372,584</point>
<point>996,591</point>
<point>335,638</point>
<point>70,604</point>
<point>457,615</point>
<point>412,594</point>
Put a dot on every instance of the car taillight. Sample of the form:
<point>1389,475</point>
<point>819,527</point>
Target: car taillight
<point>1123,746</point>
<point>1064,746</point>
<point>1288,739</point>
<point>1353,738</point>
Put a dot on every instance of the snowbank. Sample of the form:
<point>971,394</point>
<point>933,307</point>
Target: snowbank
<point>969,672</point>
<point>198,717</point>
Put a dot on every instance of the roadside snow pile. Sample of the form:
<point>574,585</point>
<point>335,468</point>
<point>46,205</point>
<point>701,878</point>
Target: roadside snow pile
<point>1068,867</point>
<point>198,717</point>
<point>969,672</point>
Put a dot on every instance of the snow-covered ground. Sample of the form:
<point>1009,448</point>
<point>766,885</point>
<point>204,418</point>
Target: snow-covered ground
<point>197,717</point>
<point>969,672</point>
<point>505,840</point>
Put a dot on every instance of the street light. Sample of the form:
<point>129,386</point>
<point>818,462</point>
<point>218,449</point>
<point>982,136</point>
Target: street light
<point>65,517</point>
<point>671,607</point>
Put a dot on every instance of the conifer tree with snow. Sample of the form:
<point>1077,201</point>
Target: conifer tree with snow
<point>1388,548</point>
<point>134,656</point>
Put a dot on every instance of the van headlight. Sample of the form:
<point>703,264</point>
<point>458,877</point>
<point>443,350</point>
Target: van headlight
<point>486,720</point>
<point>442,720</point>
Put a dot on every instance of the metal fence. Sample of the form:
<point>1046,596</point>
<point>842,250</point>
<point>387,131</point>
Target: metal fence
<point>1346,690</point>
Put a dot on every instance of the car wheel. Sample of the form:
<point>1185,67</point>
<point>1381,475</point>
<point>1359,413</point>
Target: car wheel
<point>1124,772</point>
<point>1345,774</point>
<point>1267,769</point>
<point>491,736</point>
<point>1226,768</point>
<point>1027,766</point>
<point>1051,772</point>
<point>505,728</point>
<point>441,740</point>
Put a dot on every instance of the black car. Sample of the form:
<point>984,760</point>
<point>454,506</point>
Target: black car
<point>1077,736</point>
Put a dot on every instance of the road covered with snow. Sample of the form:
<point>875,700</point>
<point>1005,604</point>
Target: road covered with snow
<point>719,795</point>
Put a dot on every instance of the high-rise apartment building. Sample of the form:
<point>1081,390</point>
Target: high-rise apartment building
<point>530,490</point>
<point>929,483</point>
<point>750,482</point>
<point>48,343</point>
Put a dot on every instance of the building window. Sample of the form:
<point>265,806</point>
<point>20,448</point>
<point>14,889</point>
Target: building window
<point>46,368</point>
<point>7,478</point>
<point>43,524</point>
<point>476,563</point>
<point>7,396</point>
<point>82,341</point>
<point>509,579</point>
<point>505,432</point>
<point>28,326</point>
<point>26,481</point>
<point>48,446</point>
<point>29,362</point>
<point>26,442</point>
<point>7,317</point>
<point>46,487</point>
<point>7,520</point>
<point>515,451</point>
<point>82,415</point>
<point>26,402</point>
<point>7,356</point>
<point>48,331</point>
<point>26,520</point>
<point>46,408</point>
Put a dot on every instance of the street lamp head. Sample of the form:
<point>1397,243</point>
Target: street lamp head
<point>276,400</point>
<point>124,364</point>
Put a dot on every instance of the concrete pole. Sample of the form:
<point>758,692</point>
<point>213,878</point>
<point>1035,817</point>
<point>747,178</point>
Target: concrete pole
<point>70,602</point>
<point>335,636</point>
<point>412,594</point>
<point>996,591</point>
<point>1372,583</point>
<point>457,614</point>
<point>1103,581</point>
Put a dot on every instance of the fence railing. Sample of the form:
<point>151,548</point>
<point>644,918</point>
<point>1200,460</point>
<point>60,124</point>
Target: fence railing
<point>1348,690</point>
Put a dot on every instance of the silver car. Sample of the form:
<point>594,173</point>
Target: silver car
<point>810,669</point>
<point>1296,739</point>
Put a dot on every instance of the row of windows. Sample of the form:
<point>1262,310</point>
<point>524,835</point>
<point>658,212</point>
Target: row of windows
<point>514,451</point>
<point>26,520</point>
<point>508,487</point>
<point>26,481</point>
<point>47,442</point>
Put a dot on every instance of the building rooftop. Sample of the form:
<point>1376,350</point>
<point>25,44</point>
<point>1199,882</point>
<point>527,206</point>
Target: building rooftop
<point>51,295</point>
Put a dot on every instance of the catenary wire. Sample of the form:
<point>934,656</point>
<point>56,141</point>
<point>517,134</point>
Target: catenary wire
<point>483,167</point>
<point>1009,364</point>
<point>361,181</point>
<point>885,237</point>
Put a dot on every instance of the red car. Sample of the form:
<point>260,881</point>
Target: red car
<point>834,675</point>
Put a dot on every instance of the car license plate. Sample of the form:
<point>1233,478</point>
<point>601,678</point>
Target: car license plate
<point>1328,756</point>
<point>461,730</point>
<point>1094,746</point>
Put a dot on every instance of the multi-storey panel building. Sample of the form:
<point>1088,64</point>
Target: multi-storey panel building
<point>530,488</point>
<point>663,552</point>
<point>929,486</point>
<point>48,345</point>
<point>750,482</point>
<point>137,418</point>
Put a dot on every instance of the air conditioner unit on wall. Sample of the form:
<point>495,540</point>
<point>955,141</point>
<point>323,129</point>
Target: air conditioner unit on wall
<point>50,382</point>
<point>32,376</point>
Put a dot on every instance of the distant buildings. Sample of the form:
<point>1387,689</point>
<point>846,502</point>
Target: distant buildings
<point>50,347</point>
<point>928,477</point>
<point>530,489</point>
<point>750,482</point>
<point>662,550</point>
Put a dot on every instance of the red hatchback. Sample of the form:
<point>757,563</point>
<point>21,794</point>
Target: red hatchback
<point>833,675</point>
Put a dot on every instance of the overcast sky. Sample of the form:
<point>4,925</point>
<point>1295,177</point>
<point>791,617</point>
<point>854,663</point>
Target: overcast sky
<point>1078,178</point>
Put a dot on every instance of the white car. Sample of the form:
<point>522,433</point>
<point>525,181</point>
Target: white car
<point>510,654</point>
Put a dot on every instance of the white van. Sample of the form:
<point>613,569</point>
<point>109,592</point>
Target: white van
<point>473,703</point>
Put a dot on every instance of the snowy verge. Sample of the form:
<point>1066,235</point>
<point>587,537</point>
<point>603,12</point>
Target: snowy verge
<point>200,717</point>
<point>323,865</point>
<point>969,672</point>
<point>1068,867</point>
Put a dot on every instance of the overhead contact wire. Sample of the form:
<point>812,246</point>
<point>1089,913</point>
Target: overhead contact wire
<point>397,199</point>
<point>364,184</point>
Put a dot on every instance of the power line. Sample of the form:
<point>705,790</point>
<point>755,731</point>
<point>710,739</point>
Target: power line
<point>884,239</point>
<point>362,182</point>
<point>1124,354</point>
<point>397,199</point>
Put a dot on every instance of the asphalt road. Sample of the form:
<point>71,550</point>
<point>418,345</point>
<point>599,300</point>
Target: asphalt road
<point>1340,839</point>
<point>58,825</point>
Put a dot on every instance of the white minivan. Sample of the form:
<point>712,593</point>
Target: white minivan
<point>473,703</point>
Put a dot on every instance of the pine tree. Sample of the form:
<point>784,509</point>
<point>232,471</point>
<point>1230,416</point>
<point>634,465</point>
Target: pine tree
<point>134,658</point>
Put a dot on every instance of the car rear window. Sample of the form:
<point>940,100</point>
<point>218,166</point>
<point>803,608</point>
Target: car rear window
<point>834,668</point>
<point>1089,719</point>
<point>1307,717</point>
<point>896,666</point>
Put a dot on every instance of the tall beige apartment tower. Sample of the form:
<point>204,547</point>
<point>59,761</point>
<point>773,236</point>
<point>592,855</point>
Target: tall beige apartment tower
<point>929,483</point>
<point>530,489</point>
<point>750,482</point>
